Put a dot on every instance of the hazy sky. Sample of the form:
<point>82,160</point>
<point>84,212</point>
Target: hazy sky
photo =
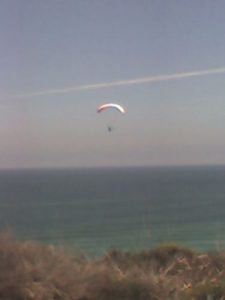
<point>48,46</point>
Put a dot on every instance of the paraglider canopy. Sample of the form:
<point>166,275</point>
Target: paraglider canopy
<point>110,105</point>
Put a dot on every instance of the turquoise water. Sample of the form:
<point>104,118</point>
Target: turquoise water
<point>94,210</point>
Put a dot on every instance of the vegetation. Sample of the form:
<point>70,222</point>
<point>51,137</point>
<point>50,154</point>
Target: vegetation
<point>32,271</point>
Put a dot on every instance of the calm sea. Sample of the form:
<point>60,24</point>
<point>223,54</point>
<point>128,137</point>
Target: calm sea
<point>94,210</point>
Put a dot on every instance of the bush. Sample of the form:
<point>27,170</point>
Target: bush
<point>156,259</point>
<point>126,289</point>
<point>206,291</point>
<point>32,271</point>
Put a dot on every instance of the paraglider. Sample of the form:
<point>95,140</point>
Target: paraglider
<point>111,105</point>
<point>110,128</point>
<point>107,106</point>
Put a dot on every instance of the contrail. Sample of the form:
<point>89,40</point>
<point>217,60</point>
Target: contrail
<point>128,82</point>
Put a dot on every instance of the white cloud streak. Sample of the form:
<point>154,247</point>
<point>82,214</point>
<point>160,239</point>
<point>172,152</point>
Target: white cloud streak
<point>129,82</point>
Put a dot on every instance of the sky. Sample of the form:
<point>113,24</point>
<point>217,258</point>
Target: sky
<point>163,61</point>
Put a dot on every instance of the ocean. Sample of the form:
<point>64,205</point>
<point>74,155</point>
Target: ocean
<point>94,210</point>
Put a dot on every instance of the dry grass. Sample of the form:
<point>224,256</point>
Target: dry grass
<point>30,270</point>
